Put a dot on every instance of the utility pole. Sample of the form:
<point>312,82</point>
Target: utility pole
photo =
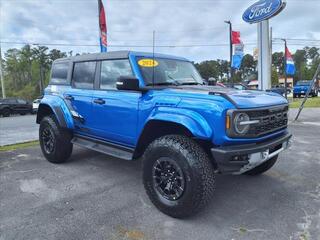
<point>271,55</point>
<point>1,76</point>
<point>153,46</point>
<point>230,35</point>
<point>285,67</point>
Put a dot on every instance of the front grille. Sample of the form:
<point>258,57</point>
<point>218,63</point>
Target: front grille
<point>270,120</point>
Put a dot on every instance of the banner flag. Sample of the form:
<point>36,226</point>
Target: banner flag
<point>238,50</point>
<point>235,37</point>
<point>291,69</point>
<point>102,27</point>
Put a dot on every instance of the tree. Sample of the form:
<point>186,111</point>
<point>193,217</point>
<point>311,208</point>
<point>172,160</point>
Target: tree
<point>278,62</point>
<point>42,59</point>
<point>55,54</point>
<point>300,60</point>
<point>274,76</point>
<point>208,69</point>
<point>248,66</point>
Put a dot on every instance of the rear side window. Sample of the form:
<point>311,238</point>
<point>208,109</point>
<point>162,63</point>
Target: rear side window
<point>59,73</point>
<point>111,70</point>
<point>83,75</point>
<point>22,101</point>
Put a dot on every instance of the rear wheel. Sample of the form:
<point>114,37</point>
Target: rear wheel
<point>263,167</point>
<point>6,112</point>
<point>178,175</point>
<point>55,142</point>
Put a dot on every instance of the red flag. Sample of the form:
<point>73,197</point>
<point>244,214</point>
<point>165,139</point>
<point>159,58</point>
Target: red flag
<point>102,27</point>
<point>235,37</point>
<point>288,53</point>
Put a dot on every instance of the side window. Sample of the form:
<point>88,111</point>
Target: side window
<point>111,70</point>
<point>59,73</point>
<point>83,75</point>
<point>12,101</point>
<point>21,101</point>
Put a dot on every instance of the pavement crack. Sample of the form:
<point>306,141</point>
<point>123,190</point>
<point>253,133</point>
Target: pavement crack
<point>245,230</point>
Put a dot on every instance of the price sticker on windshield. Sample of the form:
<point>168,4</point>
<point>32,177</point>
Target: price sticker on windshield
<point>147,62</point>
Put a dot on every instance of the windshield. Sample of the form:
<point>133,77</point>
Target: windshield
<point>168,72</point>
<point>303,83</point>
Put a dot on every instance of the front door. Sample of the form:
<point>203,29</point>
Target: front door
<point>115,112</point>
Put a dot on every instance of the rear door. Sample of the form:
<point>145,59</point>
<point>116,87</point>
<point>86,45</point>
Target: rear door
<point>13,105</point>
<point>79,96</point>
<point>115,112</point>
<point>23,106</point>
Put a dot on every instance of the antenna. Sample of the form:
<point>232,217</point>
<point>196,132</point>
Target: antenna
<point>153,43</point>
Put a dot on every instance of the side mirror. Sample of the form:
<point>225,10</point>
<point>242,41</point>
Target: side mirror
<point>128,83</point>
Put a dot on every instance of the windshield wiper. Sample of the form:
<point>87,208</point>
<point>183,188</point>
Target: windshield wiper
<point>190,83</point>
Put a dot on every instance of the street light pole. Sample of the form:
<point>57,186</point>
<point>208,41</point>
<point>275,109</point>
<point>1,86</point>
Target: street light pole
<point>230,35</point>
<point>1,76</point>
<point>285,67</point>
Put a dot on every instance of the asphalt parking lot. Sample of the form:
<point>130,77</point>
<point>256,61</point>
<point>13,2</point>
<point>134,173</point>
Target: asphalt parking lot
<point>17,129</point>
<point>93,196</point>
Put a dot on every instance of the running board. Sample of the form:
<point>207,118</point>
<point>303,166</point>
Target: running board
<point>104,147</point>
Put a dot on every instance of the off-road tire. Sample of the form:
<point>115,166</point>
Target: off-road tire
<point>62,140</point>
<point>263,167</point>
<point>6,112</point>
<point>197,170</point>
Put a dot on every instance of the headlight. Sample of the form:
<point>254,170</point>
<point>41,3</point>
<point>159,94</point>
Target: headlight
<point>238,124</point>
<point>241,125</point>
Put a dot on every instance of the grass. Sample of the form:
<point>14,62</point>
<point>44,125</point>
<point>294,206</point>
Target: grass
<point>18,146</point>
<point>311,102</point>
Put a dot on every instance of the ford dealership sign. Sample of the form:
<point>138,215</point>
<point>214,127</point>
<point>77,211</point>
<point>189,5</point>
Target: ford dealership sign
<point>263,10</point>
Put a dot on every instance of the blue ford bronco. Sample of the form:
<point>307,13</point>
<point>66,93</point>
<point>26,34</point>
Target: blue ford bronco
<point>155,107</point>
<point>302,87</point>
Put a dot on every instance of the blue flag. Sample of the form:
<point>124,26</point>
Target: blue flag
<point>291,69</point>
<point>237,55</point>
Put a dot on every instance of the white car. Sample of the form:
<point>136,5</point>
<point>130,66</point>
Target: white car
<point>35,105</point>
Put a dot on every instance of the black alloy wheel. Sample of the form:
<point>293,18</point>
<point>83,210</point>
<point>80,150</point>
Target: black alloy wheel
<point>48,140</point>
<point>178,175</point>
<point>168,179</point>
<point>55,142</point>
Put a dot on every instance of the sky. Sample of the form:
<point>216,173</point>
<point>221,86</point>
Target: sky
<point>185,24</point>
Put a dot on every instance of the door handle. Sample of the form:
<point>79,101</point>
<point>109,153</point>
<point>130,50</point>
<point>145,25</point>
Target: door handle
<point>99,101</point>
<point>69,97</point>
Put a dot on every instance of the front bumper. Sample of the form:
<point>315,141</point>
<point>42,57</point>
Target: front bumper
<point>242,158</point>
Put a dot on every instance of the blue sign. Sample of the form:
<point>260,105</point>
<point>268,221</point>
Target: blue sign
<point>263,10</point>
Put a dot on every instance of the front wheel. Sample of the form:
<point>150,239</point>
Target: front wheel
<point>263,167</point>
<point>55,142</point>
<point>177,175</point>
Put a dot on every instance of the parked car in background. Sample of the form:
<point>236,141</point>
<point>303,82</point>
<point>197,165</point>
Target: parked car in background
<point>238,86</point>
<point>301,88</point>
<point>35,104</point>
<point>253,84</point>
<point>279,89</point>
<point>10,106</point>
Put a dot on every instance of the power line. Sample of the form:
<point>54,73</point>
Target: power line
<point>185,45</point>
<point>119,45</point>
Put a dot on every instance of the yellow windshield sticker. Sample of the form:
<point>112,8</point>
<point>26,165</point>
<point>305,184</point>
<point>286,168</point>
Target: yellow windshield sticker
<point>147,62</point>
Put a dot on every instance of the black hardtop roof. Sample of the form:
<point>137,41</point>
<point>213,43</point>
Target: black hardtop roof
<point>96,56</point>
<point>116,55</point>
